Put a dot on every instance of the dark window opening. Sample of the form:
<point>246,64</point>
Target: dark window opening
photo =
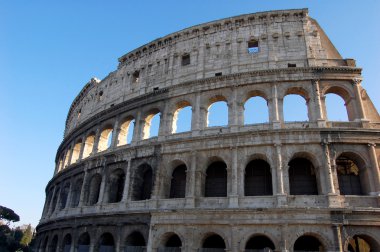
<point>292,65</point>
<point>348,177</point>
<point>67,243</point>
<point>94,190</point>
<point>302,177</point>
<point>143,183</point>
<point>260,243</point>
<point>216,180</point>
<point>253,46</point>
<point>214,241</point>
<point>106,243</point>
<point>136,77</point>
<point>84,243</point>
<point>178,182</point>
<point>135,242</point>
<point>116,186</point>
<point>155,88</point>
<point>258,179</point>
<point>307,243</point>
<point>174,242</point>
<point>76,193</point>
<point>218,74</point>
<point>185,60</point>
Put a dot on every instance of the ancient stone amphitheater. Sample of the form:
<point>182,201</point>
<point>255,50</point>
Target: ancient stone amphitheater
<point>272,186</point>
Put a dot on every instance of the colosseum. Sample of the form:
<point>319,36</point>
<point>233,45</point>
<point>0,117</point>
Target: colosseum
<point>120,185</point>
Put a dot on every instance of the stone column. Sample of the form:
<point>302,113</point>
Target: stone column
<point>51,202</point>
<point>274,112</point>
<point>138,129</point>
<point>195,116</point>
<point>164,127</point>
<point>233,197</point>
<point>115,134</point>
<point>81,148</point>
<point>327,168</point>
<point>359,103</point>
<point>203,117</point>
<point>338,235</point>
<point>191,180</point>
<point>318,111</point>
<point>96,142</point>
<point>103,186</point>
<point>281,197</point>
<point>83,189</point>
<point>200,59</point>
<point>127,181</point>
<point>375,169</point>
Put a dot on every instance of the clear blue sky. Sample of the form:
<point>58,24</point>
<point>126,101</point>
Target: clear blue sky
<point>50,49</point>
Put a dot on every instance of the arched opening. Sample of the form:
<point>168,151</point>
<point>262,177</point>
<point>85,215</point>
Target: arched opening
<point>362,243</point>
<point>88,145</point>
<point>257,178</point>
<point>335,108</point>
<point>84,243</point>
<point>307,243</point>
<point>45,245</point>
<point>182,118</point>
<point>143,183</point>
<point>63,197</point>
<point>67,243</point>
<point>253,46</point>
<point>295,108</point>
<point>105,139</point>
<point>75,195</point>
<point>54,244</point>
<point>55,200</point>
<point>302,177</point>
<point>135,242</point>
<point>217,113</point>
<point>106,243</point>
<point>213,243</point>
<point>348,176</point>
<point>76,152</point>
<point>116,186</point>
<point>259,243</point>
<point>152,124</point>
<point>172,244</point>
<point>256,110</point>
<point>94,189</point>
<point>126,132</point>
<point>178,182</point>
<point>216,180</point>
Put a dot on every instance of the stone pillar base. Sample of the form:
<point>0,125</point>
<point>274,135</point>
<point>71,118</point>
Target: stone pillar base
<point>282,200</point>
<point>190,202</point>
<point>334,201</point>
<point>233,201</point>
<point>321,123</point>
<point>276,125</point>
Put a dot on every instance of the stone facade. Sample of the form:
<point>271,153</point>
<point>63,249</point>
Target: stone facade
<point>273,186</point>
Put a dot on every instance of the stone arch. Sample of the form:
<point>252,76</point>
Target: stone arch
<point>76,151</point>
<point>94,189</point>
<point>76,191</point>
<point>259,242</point>
<point>55,199</point>
<point>179,108</point>
<point>53,246</point>
<point>89,145</point>
<point>66,243</point>
<point>44,245</point>
<point>178,181</point>
<point>84,242</point>
<point>171,240</point>
<point>126,129</point>
<point>64,195</point>
<point>115,186</point>
<point>142,185</point>
<point>258,178</point>
<point>309,242</point>
<point>223,110</point>
<point>343,94</point>
<point>297,91</point>
<point>254,101</point>
<point>303,174</point>
<point>106,243</point>
<point>353,175</point>
<point>105,138</point>
<point>150,129</point>
<point>216,178</point>
<point>135,240</point>
<point>362,240</point>
<point>215,241</point>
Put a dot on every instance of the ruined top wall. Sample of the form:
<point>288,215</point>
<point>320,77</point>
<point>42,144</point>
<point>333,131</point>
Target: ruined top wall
<point>288,38</point>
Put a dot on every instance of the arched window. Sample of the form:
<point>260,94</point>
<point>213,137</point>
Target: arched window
<point>106,243</point>
<point>63,197</point>
<point>143,183</point>
<point>135,242</point>
<point>67,243</point>
<point>126,132</point>
<point>302,177</point>
<point>76,193</point>
<point>348,176</point>
<point>152,124</point>
<point>217,112</point>
<point>256,110</point>
<point>214,242</point>
<point>105,139</point>
<point>178,182</point>
<point>259,243</point>
<point>172,244</point>
<point>216,180</point>
<point>182,118</point>
<point>55,199</point>
<point>295,108</point>
<point>84,242</point>
<point>94,189</point>
<point>116,186</point>
<point>89,145</point>
<point>54,244</point>
<point>307,243</point>
<point>76,152</point>
<point>336,108</point>
<point>258,178</point>
<point>362,243</point>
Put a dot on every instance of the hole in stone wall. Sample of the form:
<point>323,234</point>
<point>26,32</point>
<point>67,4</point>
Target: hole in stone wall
<point>255,110</point>
<point>185,60</point>
<point>182,120</point>
<point>295,108</point>
<point>217,114</point>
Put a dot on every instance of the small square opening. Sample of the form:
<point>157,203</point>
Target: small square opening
<point>185,60</point>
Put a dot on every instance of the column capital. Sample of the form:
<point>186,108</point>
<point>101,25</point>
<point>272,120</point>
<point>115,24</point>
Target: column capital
<point>357,81</point>
<point>371,144</point>
<point>315,81</point>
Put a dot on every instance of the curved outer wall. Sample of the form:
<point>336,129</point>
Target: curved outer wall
<point>100,189</point>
